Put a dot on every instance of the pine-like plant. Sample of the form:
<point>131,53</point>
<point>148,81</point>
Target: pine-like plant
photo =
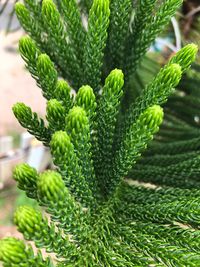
<point>97,137</point>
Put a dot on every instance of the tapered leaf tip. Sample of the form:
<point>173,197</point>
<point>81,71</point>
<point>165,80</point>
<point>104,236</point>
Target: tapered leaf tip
<point>62,87</point>
<point>189,56</point>
<point>50,185</point>
<point>76,119</point>
<point>19,6</point>
<point>46,2</point>
<point>192,49</point>
<point>185,56</point>
<point>52,103</point>
<point>54,108</point>
<point>12,250</point>
<point>101,5</point>
<point>48,7</point>
<point>25,40</point>
<point>117,73</point>
<point>19,109</point>
<point>172,74</point>
<point>85,89</point>
<point>77,112</point>
<point>27,219</point>
<point>153,116</point>
<point>60,138</point>
<point>60,135</point>
<point>115,80</point>
<point>23,173</point>
<point>86,98</point>
<point>28,48</point>
<point>44,61</point>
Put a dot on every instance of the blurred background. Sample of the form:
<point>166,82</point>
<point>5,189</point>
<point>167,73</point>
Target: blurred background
<point>15,145</point>
<point>16,85</point>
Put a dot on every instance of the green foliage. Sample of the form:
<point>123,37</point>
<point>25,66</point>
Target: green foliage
<point>27,21</point>
<point>134,142</point>
<point>85,98</point>
<point>58,201</point>
<point>185,56</point>
<point>26,178</point>
<point>150,26</point>
<point>107,112</point>
<point>62,93</point>
<point>29,52</point>
<point>100,120</point>
<point>30,120</point>
<point>77,126</point>
<point>13,253</point>
<point>34,226</point>
<point>75,29</point>
<point>119,23</point>
<point>47,75</point>
<point>95,44</point>
<point>67,160</point>
<point>55,115</point>
<point>55,28</point>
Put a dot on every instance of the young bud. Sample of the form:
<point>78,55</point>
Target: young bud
<point>36,228</point>
<point>65,157</point>
<point>51,187</point>
<point>114,83</point>
<point>62,90</point>
<point>169,76</point>
<point>27,21</point>
<point>31,122</point>
<point>49,12</point>
<point>185,56</point>
<point>22,112</point>
<point>86,99</point>
<point>101,6</point>
<point>152,117</point>
<point>61,147</point>
<point>28,220</point>
<point>47,75</point>
<point>22,13</point>
<point>55,115</point>
<point>76,121</point>
<point>60,144</point>
<point>28,49</point>
<point>46,67</point>
<point>26,177</point>
<point>33,6</point>
<point>54,110</point>
<point>62,93</point>
<point>98,23</point>
<point>12,251</point>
